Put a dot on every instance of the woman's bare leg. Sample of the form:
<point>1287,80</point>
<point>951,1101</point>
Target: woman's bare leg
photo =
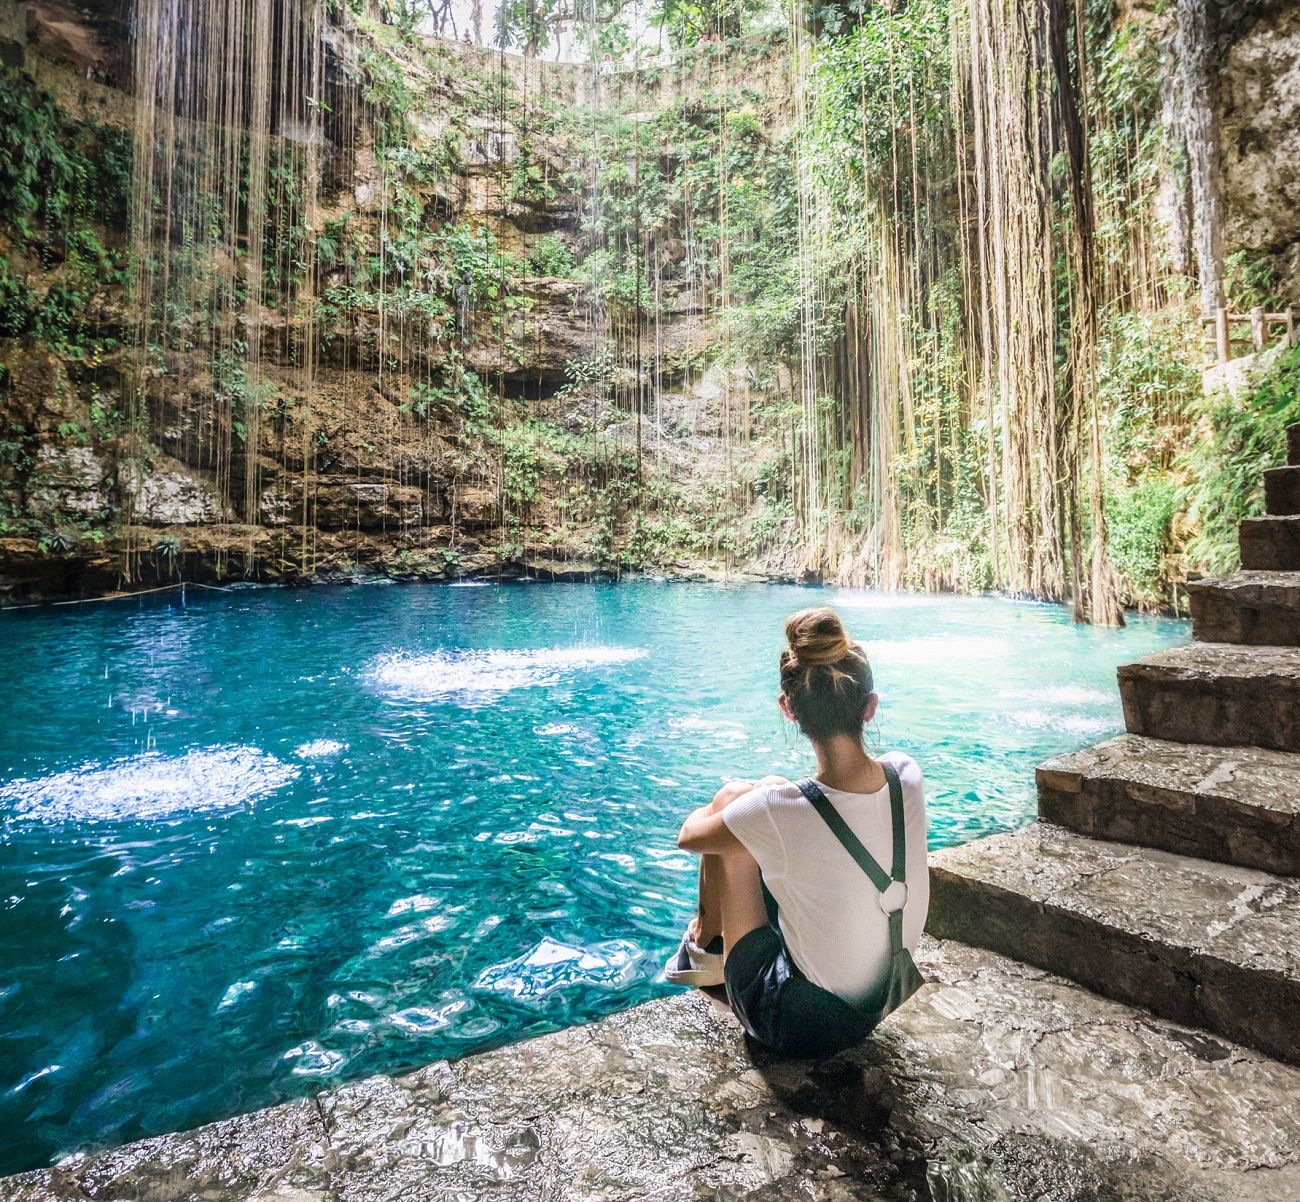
<point>708,920</point>
<point>741,892</point>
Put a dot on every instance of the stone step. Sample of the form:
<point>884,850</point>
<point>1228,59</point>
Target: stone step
<point>1271,544</point>
<point>1261,608</point>
<point>1222,694</point>
<point>1236,804</point>
<point>1282,490</point>
<point>1206,944</point>
<point>1293,444</point>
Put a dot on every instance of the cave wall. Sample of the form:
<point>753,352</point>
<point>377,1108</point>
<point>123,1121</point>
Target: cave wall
<point>350,484</point>
<point>1259,136</point>
<point>355,485</point>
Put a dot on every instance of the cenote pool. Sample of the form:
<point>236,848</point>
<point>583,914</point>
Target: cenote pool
<point>267,840</point>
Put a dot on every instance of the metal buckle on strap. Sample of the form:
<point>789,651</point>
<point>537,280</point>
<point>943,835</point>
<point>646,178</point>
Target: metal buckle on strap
<point>891,896</point>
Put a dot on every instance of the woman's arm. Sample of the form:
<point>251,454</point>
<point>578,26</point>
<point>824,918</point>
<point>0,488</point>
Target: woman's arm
<point>705,833</point>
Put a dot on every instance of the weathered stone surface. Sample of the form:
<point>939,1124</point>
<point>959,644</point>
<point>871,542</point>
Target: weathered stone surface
<point>1259,137</point>
<point>1282,490</point>
<point>278,1152</point>
<point>90,40</point>
<point>172,495</point>
<point>1215,693</point>
<point>555,563</point>
<point>365,505</point>
<point>475,508</point>
<point>533,345</point>
<point>1240,804</point>
<point>997,1082</point>
<point>1202,943</point>
<point>67,480</point>
<point>1262,608</point>
<point>1271,544</point>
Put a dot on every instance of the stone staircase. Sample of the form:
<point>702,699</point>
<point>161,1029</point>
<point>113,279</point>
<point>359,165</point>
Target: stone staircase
<point>1163,869</point>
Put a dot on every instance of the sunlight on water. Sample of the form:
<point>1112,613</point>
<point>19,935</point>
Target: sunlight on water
<point>270,839</point>
<point>944,649</point>
<point>552,966</point>
<point>442,674</point>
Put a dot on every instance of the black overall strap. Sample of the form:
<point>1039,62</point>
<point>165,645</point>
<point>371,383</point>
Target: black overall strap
<point>864,859</point>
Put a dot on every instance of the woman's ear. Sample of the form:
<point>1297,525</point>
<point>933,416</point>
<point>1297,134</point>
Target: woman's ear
<point>783,704</point>
<point>869,710</point>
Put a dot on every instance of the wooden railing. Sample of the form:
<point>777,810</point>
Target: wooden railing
<point>1260,322</point>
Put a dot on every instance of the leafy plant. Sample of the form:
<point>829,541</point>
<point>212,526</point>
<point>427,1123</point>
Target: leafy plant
<point>1237,438</point>
<point>551,257</point>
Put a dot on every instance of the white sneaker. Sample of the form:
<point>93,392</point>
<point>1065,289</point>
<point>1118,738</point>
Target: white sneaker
<point>692,965</point>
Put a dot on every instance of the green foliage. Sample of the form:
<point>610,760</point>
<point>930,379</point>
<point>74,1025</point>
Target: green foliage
<point>473,259</point>
<point>16,304</point>
<point>1236,439</point>
<point>1249,281</point>
<point>385,84</point>
<point>62,179</point>
<point>1139,522</point>
<point>689,22</point>
<point>551,257</point>
<point>58,174</point>
<point>452,391</point>
<point>527,448</point>
<point>1148,379</point>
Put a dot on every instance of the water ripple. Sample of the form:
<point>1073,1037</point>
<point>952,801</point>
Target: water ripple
<point>552,967</point>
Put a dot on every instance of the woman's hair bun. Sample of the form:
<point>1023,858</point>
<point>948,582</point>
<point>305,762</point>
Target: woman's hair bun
<point>817,638</point>
<point>825,677</point>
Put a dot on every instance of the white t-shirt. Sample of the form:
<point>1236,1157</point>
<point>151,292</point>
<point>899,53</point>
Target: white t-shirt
<point>830,911</point>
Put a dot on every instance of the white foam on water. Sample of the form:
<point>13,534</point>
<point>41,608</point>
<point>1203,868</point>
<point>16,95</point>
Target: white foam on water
<point>149,786</point>
<point>1076,694</point>
<point>319,749</point>
<point>487,673</point>
<point>1074,724</point>
<point>425,1020</point>
<point>236,991</point>
<point>311,1059</point>
<point>555,729</point>
<point>417,903</point>
<point>35,1076</point>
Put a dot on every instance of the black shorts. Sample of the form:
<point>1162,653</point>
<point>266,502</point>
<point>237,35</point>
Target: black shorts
<point>779,1007</point>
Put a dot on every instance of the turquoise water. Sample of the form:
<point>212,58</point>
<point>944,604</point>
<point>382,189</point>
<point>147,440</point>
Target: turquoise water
<point>267,840</point>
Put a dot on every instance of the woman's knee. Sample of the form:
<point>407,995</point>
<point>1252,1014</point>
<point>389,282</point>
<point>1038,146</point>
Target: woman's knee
<point>728,793</point>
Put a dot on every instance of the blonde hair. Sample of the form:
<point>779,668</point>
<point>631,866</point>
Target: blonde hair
<point>824,675</point>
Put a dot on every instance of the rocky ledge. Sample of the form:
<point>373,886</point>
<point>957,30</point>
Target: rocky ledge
<point>31,574</point>
<point>997,1083</point>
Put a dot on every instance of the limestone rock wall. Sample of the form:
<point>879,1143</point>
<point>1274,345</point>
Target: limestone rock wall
<point>349,479</point>
<point>1259,136</point>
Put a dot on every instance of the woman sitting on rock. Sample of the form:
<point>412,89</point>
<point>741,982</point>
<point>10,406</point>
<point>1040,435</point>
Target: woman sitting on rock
<point>812,893</point>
